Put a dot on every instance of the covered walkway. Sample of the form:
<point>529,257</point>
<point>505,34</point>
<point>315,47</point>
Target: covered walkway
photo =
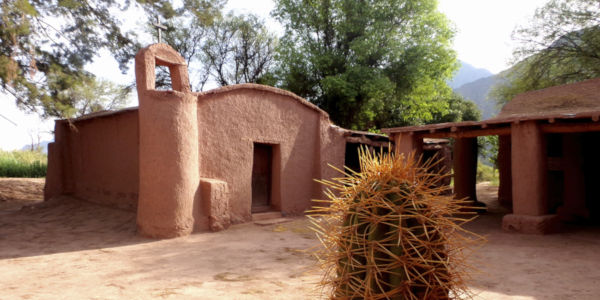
<point>547,158</point>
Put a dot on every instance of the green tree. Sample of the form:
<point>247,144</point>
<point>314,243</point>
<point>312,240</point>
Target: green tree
<point>240,49</point>
<point>458,110</point>
<point>93,95</point>
<point>45,44</point>
<point>187,33</point>
<point>488,149</point>
<point>369,64</point>
<point>225,49</point>
<point>561,45</point>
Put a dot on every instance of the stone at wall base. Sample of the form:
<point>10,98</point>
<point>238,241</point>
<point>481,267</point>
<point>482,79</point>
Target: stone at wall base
<point>215,197</point>
<point>545,224</point>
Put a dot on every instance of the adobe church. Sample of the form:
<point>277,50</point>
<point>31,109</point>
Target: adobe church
<point>190,161</point>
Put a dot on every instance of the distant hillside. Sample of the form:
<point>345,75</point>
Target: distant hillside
<point>467,73</point>
<point>477,91</point>
<point>43,144</point>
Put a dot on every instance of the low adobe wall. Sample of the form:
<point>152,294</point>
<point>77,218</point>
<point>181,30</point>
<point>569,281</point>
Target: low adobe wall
<point>96,159</point>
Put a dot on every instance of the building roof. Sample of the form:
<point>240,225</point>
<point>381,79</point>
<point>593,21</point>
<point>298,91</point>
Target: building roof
<point>570,103</point>
<point>569,99</point>
<point>366,138</point>
<point>101,114</point>
<point>265,88</point>
<point>221,90</point>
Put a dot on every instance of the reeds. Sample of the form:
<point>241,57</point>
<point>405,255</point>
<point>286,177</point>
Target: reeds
<point>23,163</point>
<point>389,232</point>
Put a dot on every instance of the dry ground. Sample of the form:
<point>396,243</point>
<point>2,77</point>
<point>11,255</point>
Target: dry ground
<point>17,192</point>
<point>70,249</point>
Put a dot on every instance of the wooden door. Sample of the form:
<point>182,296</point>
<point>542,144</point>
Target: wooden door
<point>261,177</point>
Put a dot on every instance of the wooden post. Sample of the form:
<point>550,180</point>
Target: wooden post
<point>406,143</point>
<point>504,168</point>
<point>465,168</point>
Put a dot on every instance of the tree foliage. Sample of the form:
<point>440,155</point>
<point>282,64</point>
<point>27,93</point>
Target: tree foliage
<point>93,95</point>
<point>187,33</point>
<point>240,49</point>
<point>458,110</point>
<point>369,64</point>
<point>224,49</point>
<point>561,45</point>
<point>45,44</point>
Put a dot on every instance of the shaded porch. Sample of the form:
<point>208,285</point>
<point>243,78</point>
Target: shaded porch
<point>547,165</point>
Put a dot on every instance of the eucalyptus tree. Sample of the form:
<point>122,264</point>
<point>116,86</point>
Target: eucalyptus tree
<point>46,44</point>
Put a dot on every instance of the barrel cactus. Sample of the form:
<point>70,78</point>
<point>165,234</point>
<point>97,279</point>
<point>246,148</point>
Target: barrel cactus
<point>391,231</point>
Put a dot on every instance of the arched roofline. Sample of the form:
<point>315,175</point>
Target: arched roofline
<point>262,88</point>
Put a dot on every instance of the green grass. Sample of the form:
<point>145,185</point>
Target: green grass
<point>487,173</point>
<point>23,163</point>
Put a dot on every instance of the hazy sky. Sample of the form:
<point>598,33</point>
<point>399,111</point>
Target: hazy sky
<point>483,39</point>
<point>483,27</point>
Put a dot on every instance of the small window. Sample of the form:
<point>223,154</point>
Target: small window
<point>163,78</point>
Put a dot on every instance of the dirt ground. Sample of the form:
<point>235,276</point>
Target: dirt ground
<point>71,249</point>
<point>18,192</point>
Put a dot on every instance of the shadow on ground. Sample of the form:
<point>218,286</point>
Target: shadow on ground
<point>520,266</point>
<point>73,249</point>
<point>63,225</point>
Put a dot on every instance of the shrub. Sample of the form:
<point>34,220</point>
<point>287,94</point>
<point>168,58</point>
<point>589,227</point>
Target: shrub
<point>487,173</point>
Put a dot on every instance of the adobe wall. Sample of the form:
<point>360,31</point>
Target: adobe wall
<point>230,123</point>
<point>97,160</point>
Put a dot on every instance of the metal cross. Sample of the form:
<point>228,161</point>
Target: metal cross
<point>159,27</point>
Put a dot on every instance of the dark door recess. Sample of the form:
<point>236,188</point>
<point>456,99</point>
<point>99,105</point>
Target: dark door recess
<point>261,177</point>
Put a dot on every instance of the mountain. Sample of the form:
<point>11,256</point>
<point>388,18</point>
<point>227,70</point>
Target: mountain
<point>477,92</point>
<point>467,73</point>
<point>474,84</point>
<point>43,145</point>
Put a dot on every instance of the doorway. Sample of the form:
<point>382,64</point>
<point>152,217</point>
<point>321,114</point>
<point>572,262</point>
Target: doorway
<point>351,159</point>
<point>262,165</point>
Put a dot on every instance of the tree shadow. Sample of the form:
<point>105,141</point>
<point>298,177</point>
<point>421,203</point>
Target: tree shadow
<point>65,224</point>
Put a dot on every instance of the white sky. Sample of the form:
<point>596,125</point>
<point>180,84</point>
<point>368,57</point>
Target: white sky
<point>483,39</point>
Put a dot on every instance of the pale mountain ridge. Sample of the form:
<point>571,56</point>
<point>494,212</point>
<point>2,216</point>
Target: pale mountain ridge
<point>478,93</point>
<point>467,73</point>
<point>477,88</point>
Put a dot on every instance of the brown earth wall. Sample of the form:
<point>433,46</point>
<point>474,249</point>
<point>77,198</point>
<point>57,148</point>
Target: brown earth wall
<point>96,160</point>
<point>302,139</point>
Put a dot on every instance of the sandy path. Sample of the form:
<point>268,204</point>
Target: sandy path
<point>75,250</point>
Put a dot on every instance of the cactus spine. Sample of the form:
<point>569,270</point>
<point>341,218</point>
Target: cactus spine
<point>389,232</point>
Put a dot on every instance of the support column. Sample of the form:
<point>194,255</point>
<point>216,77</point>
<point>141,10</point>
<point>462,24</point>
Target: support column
<point>406,143</point>
<point>529,177</point>
<point>504,169</point>
<point>169,167</point>
<point>465,169</point>
<point>574,206</point>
